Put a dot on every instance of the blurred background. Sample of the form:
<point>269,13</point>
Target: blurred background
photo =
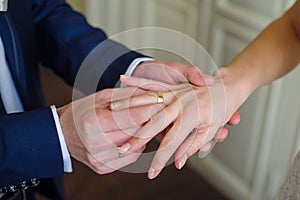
<point>253,162</point>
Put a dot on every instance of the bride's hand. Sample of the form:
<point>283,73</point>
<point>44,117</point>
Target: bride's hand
<point>193,116</point>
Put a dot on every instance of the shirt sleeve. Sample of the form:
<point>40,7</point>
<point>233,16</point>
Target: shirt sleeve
<point>65,152</point>
<point>135,63</point>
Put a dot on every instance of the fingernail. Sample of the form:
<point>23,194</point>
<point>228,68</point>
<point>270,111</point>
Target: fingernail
<point>115,105</point>
<point>182,161</point>
<point>202,155</point>
<point>124,77</point>
<point>209,79</point>
<point>124,148</point>
<point>151,173</point>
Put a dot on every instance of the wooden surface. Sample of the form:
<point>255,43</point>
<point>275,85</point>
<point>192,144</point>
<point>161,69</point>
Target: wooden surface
<point>171,184</point>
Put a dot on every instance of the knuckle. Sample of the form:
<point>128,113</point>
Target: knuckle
<point>193,149</point>
<point>153,96</point>
<point>157,118</point>
<point>201,129</point>
<point>169,144</point>
<point>137,117</point>
<point>93,161</point>
<point>101,170</point>
<point>103,95</point>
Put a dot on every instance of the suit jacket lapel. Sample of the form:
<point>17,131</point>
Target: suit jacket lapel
<point>14,56</point>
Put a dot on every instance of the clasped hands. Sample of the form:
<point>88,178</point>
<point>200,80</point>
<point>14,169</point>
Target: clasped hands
<point>111,128</point>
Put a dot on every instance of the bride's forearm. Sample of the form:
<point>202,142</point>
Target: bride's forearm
<point>274,53</point>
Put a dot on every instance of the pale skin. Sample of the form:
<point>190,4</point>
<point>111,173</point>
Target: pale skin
<point>93,131</point>
<point>196,115</point>
<point>274,53</point>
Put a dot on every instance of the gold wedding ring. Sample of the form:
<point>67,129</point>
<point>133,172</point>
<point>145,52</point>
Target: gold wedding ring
<point>160,97</point>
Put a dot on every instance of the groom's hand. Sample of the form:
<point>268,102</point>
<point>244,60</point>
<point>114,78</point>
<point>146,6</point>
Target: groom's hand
<point>172,73</point>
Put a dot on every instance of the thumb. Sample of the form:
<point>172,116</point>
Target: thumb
<point>197,77</point>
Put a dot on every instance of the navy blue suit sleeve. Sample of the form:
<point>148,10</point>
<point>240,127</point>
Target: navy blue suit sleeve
<point>65,39</point>
<point>29,147</point>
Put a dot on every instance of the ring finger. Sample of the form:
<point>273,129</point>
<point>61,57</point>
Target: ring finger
<point>143,100</point>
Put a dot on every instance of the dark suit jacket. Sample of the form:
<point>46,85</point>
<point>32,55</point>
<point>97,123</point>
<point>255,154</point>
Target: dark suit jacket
<point>51,33</point>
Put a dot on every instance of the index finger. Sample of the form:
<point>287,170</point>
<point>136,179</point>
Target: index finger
<point>168,146</point>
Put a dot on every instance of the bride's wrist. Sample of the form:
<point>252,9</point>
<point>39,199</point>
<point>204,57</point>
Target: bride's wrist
<point>237,87</point>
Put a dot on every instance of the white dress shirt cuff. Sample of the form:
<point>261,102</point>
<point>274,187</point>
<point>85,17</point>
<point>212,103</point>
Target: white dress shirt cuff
<point>64,149</point>
<point>134,65</point>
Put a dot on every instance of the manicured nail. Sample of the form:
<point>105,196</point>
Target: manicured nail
<point>202,155</point>
<point>209,79</point>
<point>124,148</point>
<point>124,77</point>
<point>115,105</point>
<point>182,161</point>
<point>151,173</point>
